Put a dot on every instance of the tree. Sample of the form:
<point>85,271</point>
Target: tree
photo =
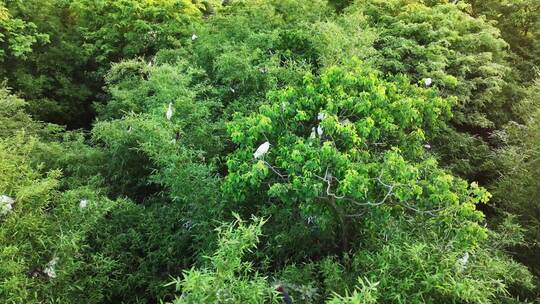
<point>517,189</point>
<point>43,231</point>
<point>366,184</point>
<point>17,37</point>
<point>228,279</point>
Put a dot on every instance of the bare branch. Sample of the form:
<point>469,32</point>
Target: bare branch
<point>285,177</point>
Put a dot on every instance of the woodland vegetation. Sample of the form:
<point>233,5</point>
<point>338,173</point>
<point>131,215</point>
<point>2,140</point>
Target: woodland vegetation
<point>269,151</point>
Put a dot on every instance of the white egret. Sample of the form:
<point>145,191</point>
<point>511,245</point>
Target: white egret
<point>194,37</point>
<point>428,82</point>
<point>169,111</point>
<point>313,133</point>
<point>427,146</point>
<point>49,270</point>
<point>261,150</point>
<point>6,204</point>
<point>232,89</point>
<point>462,262</point>
<point>319,130</point>
<point>83,203</point>
<point>321,116</point>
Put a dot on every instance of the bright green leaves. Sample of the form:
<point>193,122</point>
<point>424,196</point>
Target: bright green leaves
<point>464,56</point>
<point>17,37</point>
<point>347,160</point>
<point>141,27</point>
<point>339,123</point>
<point>228,279</point>
<point>340,143</point>
<point>45,224</point>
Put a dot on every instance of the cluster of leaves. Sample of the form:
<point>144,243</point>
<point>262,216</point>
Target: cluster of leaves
<point>43,233</point>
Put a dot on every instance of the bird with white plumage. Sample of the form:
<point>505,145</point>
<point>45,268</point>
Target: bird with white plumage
<point>83,203</point>
<point>319,130</point>
<point>6,204</point>
<point>262,150</point>
<point>313,133</point>
<point>169,113</point>
<point>50,270</point>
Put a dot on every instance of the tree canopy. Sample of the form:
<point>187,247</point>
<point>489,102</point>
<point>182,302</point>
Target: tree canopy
<point>269,151</point>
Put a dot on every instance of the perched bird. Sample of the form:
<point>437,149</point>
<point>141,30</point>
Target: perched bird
<point>286,298</point>
<point>427,146</point>
<point>321,116</point>
<point>169,111</point>
<point>83,203</point>
<point>49,270</point>
<point>232,90</point>
<point>462,262</point>
<point>313,133</point>
<point>194,37</point>
<point>464,259</point>
<point>428,82</point>
<point>6,204</point>
<point>319,130</point>
<point>262,150</point>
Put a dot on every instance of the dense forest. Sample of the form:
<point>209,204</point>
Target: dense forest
<point>269,151</point>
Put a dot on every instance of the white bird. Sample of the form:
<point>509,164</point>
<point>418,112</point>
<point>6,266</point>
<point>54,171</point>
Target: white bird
<point>49,270</point>
<point>313,134</point>
<point>194,37</point>
<point>321,116</point>
<point>232,89</point>
<point>462,262</point>
<point>6,204</point>
<point>428,82</point>
<point>169,111</point>
<point>83,203</point>
<point>262,150</point>
<point>427,146</point>
<point>319,130</point>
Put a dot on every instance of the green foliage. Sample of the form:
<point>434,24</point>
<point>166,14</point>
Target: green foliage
<point>517,190</point>
<point>17,37</point>
<point>365,294</point>
<point>343,124</point>
<point>140,28</point>
<point>464,56</point>
<point>141,241</point>
<point>371,128</point>
<point>228,279</point>
<point>368,163</point>
<point>145,151</point>
<point>46,229</point>
<point>519,23</point>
